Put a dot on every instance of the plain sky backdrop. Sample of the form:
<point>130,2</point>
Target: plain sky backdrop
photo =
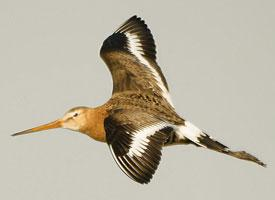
<point>218,58</point>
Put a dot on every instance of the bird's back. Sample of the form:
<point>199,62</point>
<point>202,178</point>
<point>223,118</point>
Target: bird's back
<point>148,102</point>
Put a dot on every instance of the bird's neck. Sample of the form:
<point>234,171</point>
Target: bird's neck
<point>94,125</point>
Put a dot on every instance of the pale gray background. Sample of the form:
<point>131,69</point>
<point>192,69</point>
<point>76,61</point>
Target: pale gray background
<point>218,58</point>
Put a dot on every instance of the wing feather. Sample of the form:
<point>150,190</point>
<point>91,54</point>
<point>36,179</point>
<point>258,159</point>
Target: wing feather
<point>130,54</point>
<point>136,144</point>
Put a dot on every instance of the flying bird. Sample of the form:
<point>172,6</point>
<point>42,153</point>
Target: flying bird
<point>139,119</point>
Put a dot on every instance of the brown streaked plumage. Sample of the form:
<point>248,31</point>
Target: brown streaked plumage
<point>139,119</point>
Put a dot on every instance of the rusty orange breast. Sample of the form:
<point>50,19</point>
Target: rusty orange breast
<point>94,123</point>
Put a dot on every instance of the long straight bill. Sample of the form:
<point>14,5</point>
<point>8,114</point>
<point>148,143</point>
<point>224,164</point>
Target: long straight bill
<point>51,125</point>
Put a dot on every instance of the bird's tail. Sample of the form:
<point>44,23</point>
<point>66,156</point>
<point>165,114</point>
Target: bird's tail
<point>202,139</point>
<point>212,144</point>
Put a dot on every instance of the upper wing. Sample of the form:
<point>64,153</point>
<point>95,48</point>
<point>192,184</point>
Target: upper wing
<point>130,54</point>
<point>135,140</point>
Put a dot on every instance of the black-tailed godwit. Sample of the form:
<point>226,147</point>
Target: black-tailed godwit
<point>140,118</point>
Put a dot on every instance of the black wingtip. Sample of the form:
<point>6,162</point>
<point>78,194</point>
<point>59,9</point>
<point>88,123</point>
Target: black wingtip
<point>134,17</point>
<point>119,40</point>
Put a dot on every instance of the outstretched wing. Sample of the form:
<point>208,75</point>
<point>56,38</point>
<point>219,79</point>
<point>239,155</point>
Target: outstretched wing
<point>130,54</point>
<point>135,140</point>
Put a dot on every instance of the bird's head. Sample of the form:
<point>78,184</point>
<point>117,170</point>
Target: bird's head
<point>75,119</point>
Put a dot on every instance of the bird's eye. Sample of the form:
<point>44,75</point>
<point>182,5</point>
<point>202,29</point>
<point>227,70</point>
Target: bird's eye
<point>75,115</point>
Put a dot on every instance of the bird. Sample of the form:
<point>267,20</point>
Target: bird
<point>139,119</point>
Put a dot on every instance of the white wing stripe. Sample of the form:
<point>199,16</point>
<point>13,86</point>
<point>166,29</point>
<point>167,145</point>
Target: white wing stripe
<point>135,48</point>
<point>140,140</point>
